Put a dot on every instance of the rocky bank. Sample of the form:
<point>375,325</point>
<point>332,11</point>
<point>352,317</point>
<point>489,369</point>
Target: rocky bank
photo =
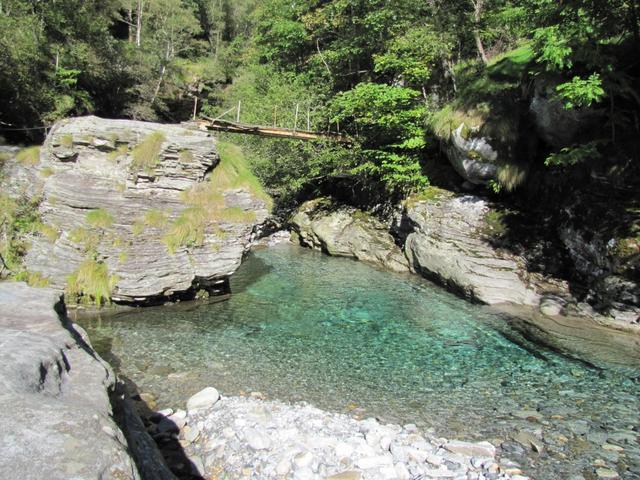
<point>247,437</point>
<point>140,209</point>
<point>56,417</point>
<point>449,238</point>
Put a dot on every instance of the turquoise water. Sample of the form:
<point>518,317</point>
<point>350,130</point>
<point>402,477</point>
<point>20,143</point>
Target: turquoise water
<point>348,337</point>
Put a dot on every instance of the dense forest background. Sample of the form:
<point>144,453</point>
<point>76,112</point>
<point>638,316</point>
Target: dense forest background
<point>393,74</point>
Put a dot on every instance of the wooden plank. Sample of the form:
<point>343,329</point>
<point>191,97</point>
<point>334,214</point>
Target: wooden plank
<point>276,132</point>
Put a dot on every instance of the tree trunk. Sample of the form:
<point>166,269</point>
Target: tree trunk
<point>477,17</point>
<point>130,22</point>
<point>634,20</point>
<point>139,8</point>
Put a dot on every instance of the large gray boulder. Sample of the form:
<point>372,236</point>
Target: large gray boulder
<point>556,125</point>
<point>54,409</point>
<point>347,232</point>
<point>446,242</point>
<point>473,156</point>
<point>136,198</point>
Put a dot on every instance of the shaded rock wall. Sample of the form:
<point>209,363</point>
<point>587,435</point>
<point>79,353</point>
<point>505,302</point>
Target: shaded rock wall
<point>54,409</point>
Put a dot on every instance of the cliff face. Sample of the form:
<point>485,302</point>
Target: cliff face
<point>138,212</point>
<point>55,396</point>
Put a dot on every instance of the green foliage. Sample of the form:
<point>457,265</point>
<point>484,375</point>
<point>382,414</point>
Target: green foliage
<point>390,121</point>
<point>146,154</point>
<point>29,156</point>
<point>91,283</point>
<point>570,156</point>
<point>413,56</point>
<point>581,92</point>
<point>19,218</point>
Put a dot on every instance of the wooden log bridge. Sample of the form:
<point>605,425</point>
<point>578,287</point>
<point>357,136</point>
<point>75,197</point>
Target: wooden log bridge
<point>219,125</point>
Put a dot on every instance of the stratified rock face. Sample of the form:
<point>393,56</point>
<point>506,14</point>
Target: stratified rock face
<point>446,244</point>
<point>474,158</point>
<point>347,232</point>
<point>114,189</point>
<point>54,408</point>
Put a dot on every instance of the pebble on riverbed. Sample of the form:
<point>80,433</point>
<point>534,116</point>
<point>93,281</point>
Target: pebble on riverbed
<point>252,438</point>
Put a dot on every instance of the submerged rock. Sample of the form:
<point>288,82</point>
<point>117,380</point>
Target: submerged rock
<point>134,207</point>
<point>347,232</point>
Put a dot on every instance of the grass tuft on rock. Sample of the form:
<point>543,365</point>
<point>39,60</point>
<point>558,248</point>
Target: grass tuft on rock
<point>88,239</point>
<point>33,279</point>
<point>237,215</point>
<point>187,230</point>
<point>91,283</point>
<point>233,171</point>
<point>46,172</point>
<point>99,218</point>
<point>154,218</point>
<point>66,140</point>
<point>206,206</point>
<point>29,156</point>
<point>146,154</point>
<point>49,231</point>
<point>118,153</point>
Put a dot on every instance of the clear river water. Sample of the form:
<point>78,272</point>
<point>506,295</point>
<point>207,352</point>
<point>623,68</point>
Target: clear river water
<point>347,337</point>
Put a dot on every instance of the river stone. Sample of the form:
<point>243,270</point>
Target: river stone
<point>480,449</point>
<point>55,412</point>
<point>606,473</point>
<point>346,475</point>
<point>203,399</point>
<point>445,242</point>
<point>347,232</point>
<point>256,439</point>
<point>529,440</point>
<point>374,462</point>
<point>141,265</point>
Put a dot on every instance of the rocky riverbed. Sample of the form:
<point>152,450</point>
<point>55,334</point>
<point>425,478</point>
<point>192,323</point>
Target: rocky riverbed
<point>248,437</point>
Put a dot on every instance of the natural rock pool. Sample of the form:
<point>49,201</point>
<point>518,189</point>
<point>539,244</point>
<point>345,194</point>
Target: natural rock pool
<point>347,337</point>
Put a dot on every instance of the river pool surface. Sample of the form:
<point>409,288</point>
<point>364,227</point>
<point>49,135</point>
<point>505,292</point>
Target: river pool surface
<point>347,337</point>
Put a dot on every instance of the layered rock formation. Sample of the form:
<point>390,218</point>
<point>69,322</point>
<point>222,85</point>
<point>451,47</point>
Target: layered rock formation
<point>132,203</point>
<point>347,232</point>
<point>54,410</point>
<point>446,243</point>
